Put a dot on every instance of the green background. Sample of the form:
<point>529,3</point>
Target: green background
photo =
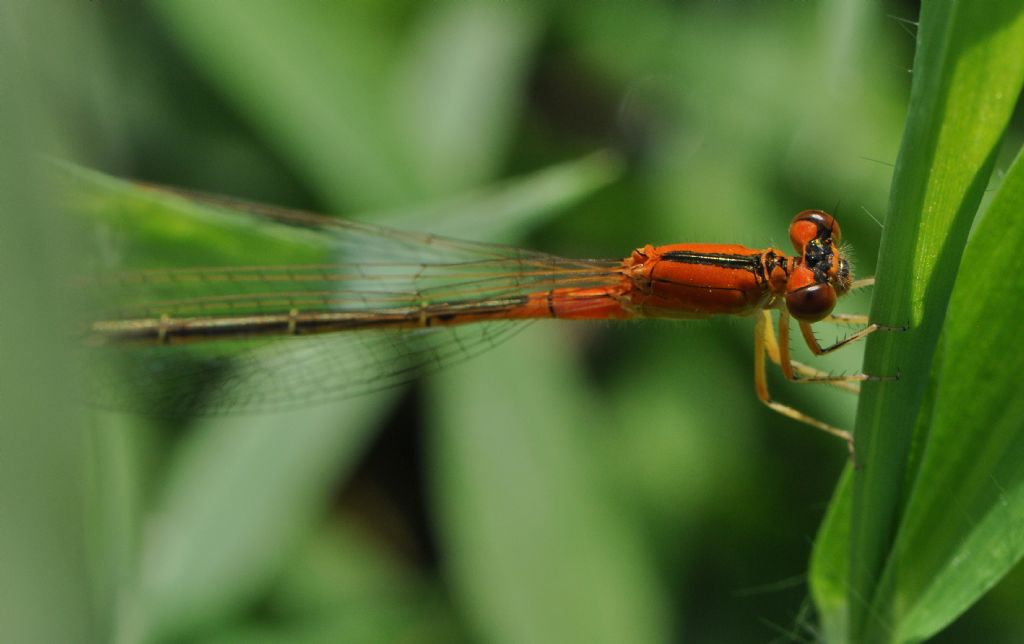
<point>581,482</point>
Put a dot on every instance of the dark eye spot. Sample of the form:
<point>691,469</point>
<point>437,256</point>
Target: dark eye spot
<point>811,303</point>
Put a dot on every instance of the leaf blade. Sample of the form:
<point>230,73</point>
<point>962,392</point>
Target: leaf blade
<point>968,75</point>
<point>959,536</point>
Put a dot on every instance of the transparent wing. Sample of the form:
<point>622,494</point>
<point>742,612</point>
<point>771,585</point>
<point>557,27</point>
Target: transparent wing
<point>372,267</point>
<point>251,377</point>
<point>380,272</point>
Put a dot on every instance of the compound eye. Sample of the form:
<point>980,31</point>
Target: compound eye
<point>811,303</point>
<point>813,224</point>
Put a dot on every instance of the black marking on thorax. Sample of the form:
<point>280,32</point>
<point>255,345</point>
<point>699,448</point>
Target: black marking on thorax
<point>751,263</point>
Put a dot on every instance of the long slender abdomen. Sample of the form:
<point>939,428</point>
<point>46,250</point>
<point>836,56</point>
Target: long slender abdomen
<point>597,303</point>
<point>563,303</point>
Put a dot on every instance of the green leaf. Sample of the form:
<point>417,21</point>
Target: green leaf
<point>536,552</point>
<point>46,594</point>
<point>311,77</point>
<point>961,530</point>
<point>506,211</point>
<point>830,564</point>
<point>135,227</point>
<point>968,72</point>
<point>459,81</point>
<point>241,493</point>
<point>145,228</point>
<point>357,110</point>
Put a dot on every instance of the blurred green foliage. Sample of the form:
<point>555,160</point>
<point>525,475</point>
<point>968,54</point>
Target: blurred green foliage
<point>579,483</point>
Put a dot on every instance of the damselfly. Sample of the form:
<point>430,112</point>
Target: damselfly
<point>396,304</point>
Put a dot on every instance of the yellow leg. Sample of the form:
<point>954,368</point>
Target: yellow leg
<point>763,339</point>
<point>797,371</point>
<point>862,283</point>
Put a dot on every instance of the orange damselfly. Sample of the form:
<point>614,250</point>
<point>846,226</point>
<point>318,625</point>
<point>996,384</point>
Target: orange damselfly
<point>397,304</point>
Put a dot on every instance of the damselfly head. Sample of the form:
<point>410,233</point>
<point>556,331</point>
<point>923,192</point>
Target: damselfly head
<point>822,272</point>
